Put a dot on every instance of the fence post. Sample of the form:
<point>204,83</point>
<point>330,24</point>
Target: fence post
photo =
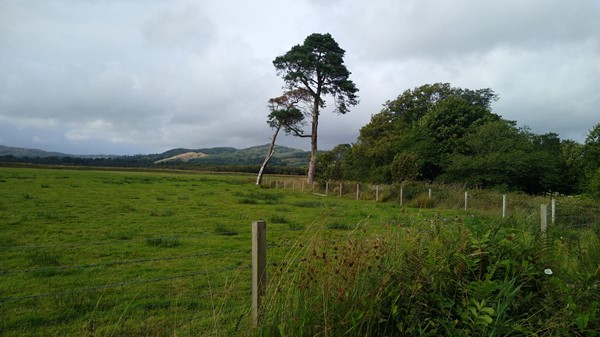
<point>430,193</point>
<point>259,263</point>
<point>543,219</point>
<point>503,206</point>
<point>466,200</point>
<point>553,212</point>
<point>357,191</point>
<point>401,195</point>
<point>376,193</point>
<point>341,186</point>
<point>327,187</point>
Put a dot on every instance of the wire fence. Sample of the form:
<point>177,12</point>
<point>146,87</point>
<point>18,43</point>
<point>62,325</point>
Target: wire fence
<point>567,212</point>
<point>24,292</point>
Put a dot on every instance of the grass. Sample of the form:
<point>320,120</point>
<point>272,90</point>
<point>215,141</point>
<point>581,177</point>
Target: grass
<point>108,253</point>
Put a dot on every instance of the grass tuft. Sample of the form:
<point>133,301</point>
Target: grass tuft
<point>308,204</point>
<point>224,230</point>
<point>164,242</point>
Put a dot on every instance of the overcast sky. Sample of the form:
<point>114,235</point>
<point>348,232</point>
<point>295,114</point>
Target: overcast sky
<point>145,76</point>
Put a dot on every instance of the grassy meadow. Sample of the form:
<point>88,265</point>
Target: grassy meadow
<point>124,253</point>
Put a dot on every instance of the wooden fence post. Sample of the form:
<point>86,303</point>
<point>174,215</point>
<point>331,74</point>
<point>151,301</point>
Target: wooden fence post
<point>327,187</point>
<point>430,193</point>
<point>341,186</point>
<point>401,195</point>
<point>259,263</point>
<point>357,191</point>
<point>503,206</point>
<point>466,200</point>
<point>543,219</point>
<point>553,212</point>
<point>376,193</point>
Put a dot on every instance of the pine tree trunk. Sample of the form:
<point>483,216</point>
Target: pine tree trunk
<point>313,147</point>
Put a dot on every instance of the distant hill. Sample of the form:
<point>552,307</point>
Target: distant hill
<point>284,156</point>
<point>22,152</point>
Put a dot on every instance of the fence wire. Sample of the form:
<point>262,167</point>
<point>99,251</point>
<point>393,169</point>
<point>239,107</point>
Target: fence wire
<point>117,285</point>
<point>109,264</point>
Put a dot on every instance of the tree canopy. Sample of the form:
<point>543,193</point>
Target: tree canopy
<point>437,132</point>
<point>317,66</point>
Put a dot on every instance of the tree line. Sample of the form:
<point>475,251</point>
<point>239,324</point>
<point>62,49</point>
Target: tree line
<point>445,134</point>
<point>141,161</point>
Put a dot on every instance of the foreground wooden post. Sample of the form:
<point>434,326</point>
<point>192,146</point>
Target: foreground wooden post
<point>543,220</point>
<point>357,191</point>
<point>327,187</point>
<point>503,206</point>
<point>466,200</point>
<point>430,193</point>
<point>259,264</point>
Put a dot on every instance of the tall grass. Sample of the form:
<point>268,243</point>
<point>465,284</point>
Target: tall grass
<point>443,277</point>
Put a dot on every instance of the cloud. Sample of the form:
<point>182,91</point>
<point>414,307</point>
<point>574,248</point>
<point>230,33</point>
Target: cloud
<point>159,74</point>
<point>187,27</point>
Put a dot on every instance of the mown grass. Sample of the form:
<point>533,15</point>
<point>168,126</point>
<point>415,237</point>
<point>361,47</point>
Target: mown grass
<point>101,253</point>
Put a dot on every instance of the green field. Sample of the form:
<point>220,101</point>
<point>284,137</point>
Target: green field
<point>122,253</point>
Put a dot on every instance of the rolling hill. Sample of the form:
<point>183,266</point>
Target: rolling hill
<point>284,156</point>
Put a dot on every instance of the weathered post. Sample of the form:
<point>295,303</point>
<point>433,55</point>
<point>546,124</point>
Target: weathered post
<point>401,195</point>
<point>357,191</point>
<point>341,186</point>
<point>543,219</point>
<point>327,187</point>
<point>553,211</point>
<point>259,264</point>
<point>466,200</point>
<point>376,193</point>
<point>430,193</point>
<point>504,206</point>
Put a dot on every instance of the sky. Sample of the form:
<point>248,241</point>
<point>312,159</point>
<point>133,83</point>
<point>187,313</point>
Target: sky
<point>144,76</point>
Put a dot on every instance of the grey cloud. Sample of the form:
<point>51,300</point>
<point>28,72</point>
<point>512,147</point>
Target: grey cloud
<point>439,29</point>
<point>178,73</point>
<point>187,27</point>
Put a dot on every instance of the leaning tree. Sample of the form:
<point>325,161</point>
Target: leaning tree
<point>285,113</point>
<point>317,66</point>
